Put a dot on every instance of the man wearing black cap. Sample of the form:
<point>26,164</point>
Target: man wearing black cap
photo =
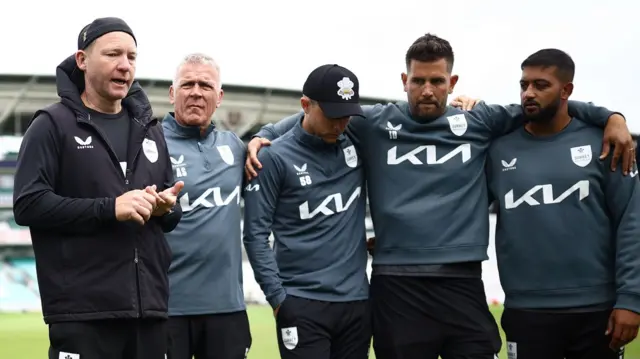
<point>95,186</point>
<point>311,194</point>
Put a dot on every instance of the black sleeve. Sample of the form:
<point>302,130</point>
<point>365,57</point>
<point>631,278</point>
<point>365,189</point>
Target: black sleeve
<point>170,220</point>
<point>35,203</point>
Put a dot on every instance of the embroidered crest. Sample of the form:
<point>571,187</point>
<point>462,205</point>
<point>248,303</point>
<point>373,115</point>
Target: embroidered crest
<point>290,337</point>
<point>350,156</point>
<point>581,155</point>
<point>345,88</point>
<point>226,154</point>
<point>458,124</point>
<point>150,150</point>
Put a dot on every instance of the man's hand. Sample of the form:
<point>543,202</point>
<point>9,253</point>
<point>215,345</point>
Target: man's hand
<point>371,242</point>
<point>623,327</point>
<point>463,102</point>
<point>617,134</point>
<point>135,205</point>
<point>252,157</point>
<point>275,311</point>
<point>166,199</point>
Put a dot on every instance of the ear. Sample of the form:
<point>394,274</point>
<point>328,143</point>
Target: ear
<point>404,78</point>
<point>567,90</point>
<point>220,98</point>
<point>453,80</point>
<point>172,95</point>
<point>81,60</point>
<point>305,104</point>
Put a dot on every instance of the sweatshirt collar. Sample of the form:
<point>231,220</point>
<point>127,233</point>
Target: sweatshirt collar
<point>186,131</point>
<point>310,140</point>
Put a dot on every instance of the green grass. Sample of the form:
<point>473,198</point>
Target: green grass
<point>24,336</point>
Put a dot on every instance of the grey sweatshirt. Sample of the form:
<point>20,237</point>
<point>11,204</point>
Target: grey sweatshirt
<point>426,181</point>
<point>205,276</point>
<point>311,195</point>
<point>567,234</point>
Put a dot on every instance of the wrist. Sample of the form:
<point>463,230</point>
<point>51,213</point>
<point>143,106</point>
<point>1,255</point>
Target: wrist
<point>617,118</point>
<point>160,211</point>
<point>107,209</point>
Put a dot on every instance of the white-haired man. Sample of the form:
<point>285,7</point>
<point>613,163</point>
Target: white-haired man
<point>207,312</point>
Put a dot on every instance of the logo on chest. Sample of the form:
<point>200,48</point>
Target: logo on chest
<point>581,155</point>
<point>458,124</point>
<point>303,175</point>
<point>350,156</point>
<point>150,150</point>
<point>226,154</point>
<point>179,166</point>
<point>83,144</point>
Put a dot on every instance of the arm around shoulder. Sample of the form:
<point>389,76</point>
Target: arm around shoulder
<point>35,203</point>
<point>499,120</point>
<point>272,131</point>
<point>589,113</point>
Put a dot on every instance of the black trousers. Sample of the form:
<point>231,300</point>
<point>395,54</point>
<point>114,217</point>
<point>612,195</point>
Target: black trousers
<point>534,335</point>
<point>212,336</point>
<point>311,329</point>
<point>431,317</point>
<point>109,339</point>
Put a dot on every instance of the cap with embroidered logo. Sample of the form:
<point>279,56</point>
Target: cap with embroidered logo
<point>336,89</point>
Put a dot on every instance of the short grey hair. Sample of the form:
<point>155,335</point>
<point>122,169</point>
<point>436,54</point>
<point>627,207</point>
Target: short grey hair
<point>198,58</point>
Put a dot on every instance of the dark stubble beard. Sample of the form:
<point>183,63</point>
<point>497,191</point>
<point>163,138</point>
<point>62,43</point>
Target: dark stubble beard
<point>415,112</point>
<point>545,115</point>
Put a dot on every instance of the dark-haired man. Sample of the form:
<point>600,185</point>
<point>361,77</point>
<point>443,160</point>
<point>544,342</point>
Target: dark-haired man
<point>432,228</point>
<point>95,186</point>
<point>579,218</point>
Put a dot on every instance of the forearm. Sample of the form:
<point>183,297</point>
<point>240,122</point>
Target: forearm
<point>265,268</point>
<point>47,210</point>
<point>591,114</point>
<point>273,131</point>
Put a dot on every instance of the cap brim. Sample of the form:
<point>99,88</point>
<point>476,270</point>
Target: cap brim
<point>341,109</point>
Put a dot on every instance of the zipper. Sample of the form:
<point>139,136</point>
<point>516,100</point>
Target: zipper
<point>207,164</point>
<point>136,260</point>
<point>127,181</point>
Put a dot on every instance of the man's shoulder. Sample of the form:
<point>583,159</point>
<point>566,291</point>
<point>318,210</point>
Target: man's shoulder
<point>227,137</point>
<point>506,141</point>
<point>582,127</point>
<point>583,134</point>
<point>57,112</point>
<point>284,142</point>
<point>374,111</point>
<point>281,149</point>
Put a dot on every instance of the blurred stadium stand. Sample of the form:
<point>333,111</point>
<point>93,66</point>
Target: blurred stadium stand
<point>244,111</point>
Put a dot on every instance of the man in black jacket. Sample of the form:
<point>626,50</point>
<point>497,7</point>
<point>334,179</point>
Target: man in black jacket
<point>95,186</point>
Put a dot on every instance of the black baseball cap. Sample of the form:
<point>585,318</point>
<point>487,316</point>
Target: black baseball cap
<point>102,26</point>
<point>336,89</point>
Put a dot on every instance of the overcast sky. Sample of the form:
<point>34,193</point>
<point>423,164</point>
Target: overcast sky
<point>277,43</point>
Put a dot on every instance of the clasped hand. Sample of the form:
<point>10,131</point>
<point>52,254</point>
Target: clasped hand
<point>140,205</point>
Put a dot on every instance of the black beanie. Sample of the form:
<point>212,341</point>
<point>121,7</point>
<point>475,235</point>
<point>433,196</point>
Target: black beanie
<point>100,27</point>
